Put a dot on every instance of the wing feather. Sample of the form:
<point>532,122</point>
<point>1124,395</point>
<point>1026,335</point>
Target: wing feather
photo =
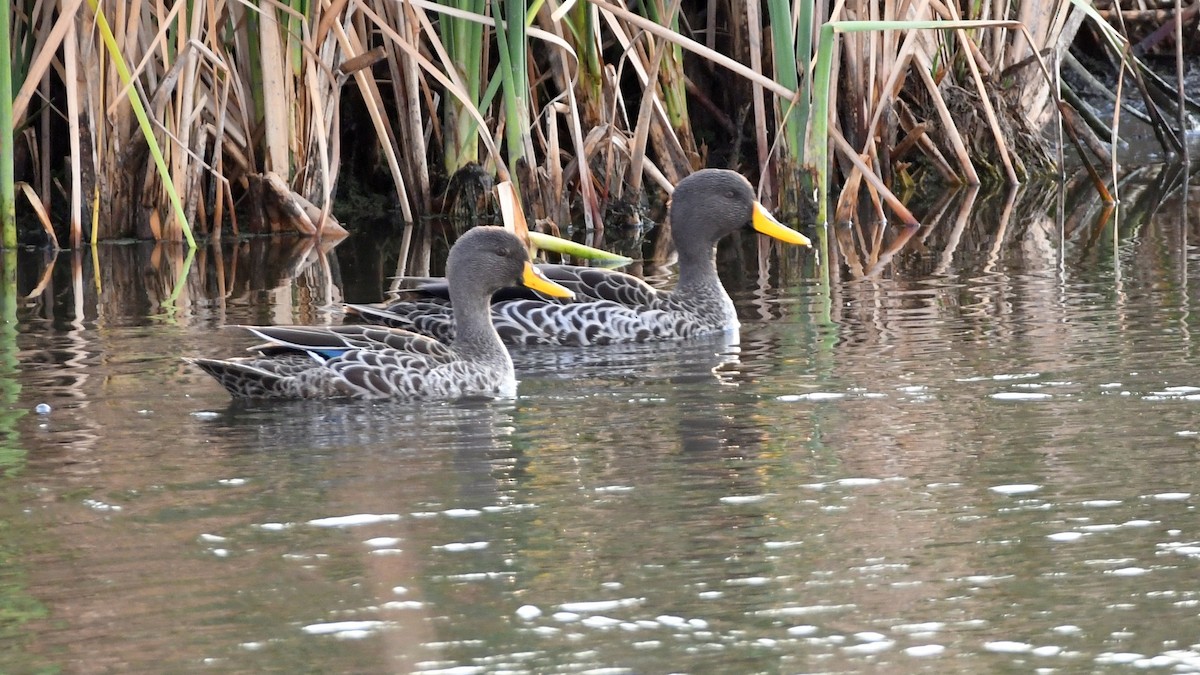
<point>609,307</point>
<point>361,361</point>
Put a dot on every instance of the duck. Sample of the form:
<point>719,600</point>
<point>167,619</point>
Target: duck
<point>381,362</point>
<point>611,307</point>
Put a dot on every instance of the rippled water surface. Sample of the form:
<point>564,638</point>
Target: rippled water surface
<point>982,458</point>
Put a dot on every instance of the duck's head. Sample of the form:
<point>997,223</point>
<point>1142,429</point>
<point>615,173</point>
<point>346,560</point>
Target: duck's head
<point>712,203</point>
<point>486,259</point>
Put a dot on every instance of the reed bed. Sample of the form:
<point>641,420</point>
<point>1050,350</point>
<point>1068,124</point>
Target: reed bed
<point>171,119</point>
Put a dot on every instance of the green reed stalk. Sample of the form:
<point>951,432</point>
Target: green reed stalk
<point>675,88</point>
<point>464,42</point>
<point>554,244</point>
<point>139,111</point>
<point>786,51</point>
<point>301,12</point>
<point>510,34</point>
<point>818,151</point>
<point>580,24</point>
<point>8,191</point>
<point>803,57</point>
<point>671,77</point>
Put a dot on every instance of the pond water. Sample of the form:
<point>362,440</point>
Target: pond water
<point>976,450</point>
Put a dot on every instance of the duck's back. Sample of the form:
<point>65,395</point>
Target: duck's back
<point>392,373</point>
<point>610,308</point>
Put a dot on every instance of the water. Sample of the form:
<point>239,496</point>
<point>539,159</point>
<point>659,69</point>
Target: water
<point>981,459</point>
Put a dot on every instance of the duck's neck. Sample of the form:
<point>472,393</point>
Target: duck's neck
<point>698,268</point>
<point>474,335</point>
<point>700,289</point>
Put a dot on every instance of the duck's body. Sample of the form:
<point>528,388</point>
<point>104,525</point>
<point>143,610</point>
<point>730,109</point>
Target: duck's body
<point>380,362</point>
<point>613,307</point>
<point>299,362</point>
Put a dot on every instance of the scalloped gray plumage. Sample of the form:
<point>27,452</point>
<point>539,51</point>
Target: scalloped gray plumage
<point>381,362</point>
<point>614,307</point>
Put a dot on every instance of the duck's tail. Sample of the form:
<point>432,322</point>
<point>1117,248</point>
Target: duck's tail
<point>241,379</point>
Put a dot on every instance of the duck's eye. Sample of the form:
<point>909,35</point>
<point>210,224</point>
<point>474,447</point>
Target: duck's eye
<point>730,194</point>
<point>503,253</point>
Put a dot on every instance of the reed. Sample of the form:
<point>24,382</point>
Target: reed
<point>8,193</point>
<point>512,49</point>
<point>467,55</point>
<point>179,113</point>
<point>791,42</point>
<point>824,94</point>
<point>139,111</point>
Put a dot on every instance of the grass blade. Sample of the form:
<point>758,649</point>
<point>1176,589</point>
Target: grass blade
<point>135,102</point>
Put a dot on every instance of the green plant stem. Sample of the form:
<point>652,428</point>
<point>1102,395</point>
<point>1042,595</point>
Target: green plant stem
<point>139,111</point>
<point>8,192</point>
<point>672,80</point>
<point>579,22</point>
<point>818,152</point>
<point>787,74</point>
<point>464,42</point>
<point>510,35</point>
<point>549,242</point>
<point>804,33</point>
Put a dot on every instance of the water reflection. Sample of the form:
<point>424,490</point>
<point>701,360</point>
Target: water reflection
<point>703,359</point>
<point>973,450</point>
<point>144,281</point>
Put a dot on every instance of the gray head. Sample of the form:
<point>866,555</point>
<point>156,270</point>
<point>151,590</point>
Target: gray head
<point>710,204</point>
<point>713,203</point>
<point>486,259</point>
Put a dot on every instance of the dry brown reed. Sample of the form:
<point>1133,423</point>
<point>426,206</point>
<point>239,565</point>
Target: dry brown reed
<point>580,103</point>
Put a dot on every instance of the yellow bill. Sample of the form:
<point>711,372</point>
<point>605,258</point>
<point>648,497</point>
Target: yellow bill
<point>765,223</point>
<point>537,281</point>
